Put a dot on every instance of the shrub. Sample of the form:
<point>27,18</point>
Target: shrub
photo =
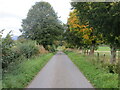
<point>42,50</point>
<point>7,54</point>
<point>28,48</point>
<point>11,51</point>
<point>51,48</point>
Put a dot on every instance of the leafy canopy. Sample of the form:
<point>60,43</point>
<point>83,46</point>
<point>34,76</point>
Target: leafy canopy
<point>42,24</point>
<point>103,17</point>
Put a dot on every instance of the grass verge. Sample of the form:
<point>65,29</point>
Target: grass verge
<point>0,84</point>
<point>98,77</point>
<point>23,73</point>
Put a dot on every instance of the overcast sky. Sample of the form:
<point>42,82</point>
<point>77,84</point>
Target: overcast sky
<point>13,11</point>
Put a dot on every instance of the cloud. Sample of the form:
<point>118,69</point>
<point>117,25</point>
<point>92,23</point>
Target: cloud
<point>9,24</point>
<point>9,15</point>
<point>13,11</point>
<point>62,7</point>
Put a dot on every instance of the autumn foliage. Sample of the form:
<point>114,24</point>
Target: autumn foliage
<point>83,31</point>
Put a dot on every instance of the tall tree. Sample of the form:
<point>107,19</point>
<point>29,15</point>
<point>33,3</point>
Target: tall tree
<point>104,18</point>
<point>42,24</point>
<point>82,33</point>
<point>72,36</point>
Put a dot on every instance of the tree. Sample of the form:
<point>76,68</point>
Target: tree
<point>107,23</point>
<point>6,45</point>
<point>42,24</point>
<point>72,35</point>
<point>104,18</point>
<point>82,33</point>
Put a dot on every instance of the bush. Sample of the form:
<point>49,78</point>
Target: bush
<point>21,74</point>
<point>7,54</point>
<point>113,68</point>
<point>11,51</point>
<point>28,48</point>
<point>51,48</point>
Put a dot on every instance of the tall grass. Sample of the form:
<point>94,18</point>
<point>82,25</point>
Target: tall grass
<point>11,54</point>
<point>20,75</point>
<point>99,77</point>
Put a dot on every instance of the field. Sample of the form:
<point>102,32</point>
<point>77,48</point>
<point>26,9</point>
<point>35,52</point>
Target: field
<point>103,48</point>
<point>104,52</point>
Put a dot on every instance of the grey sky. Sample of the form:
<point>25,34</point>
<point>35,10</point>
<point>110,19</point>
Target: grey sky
<point>13,11</point>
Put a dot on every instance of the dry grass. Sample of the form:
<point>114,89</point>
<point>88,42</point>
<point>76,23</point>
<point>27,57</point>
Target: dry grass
<point>42,49</point>
<point>107,56</point>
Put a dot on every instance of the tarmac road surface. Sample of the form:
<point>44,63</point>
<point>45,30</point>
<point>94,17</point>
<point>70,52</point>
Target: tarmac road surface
<point>60,72</point>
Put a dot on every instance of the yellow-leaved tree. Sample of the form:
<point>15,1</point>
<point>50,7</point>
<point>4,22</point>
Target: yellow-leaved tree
<point>85,33</point>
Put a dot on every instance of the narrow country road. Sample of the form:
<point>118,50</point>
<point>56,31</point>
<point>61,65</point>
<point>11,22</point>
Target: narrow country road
<point>60,72</point>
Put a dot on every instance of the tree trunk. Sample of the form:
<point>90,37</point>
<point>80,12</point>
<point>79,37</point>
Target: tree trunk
<point>92,50</point>
<point>84,51</point>
<point>80,50</point>
<point>87,52</point>
<point>113,55</point>
<point>119,56</point>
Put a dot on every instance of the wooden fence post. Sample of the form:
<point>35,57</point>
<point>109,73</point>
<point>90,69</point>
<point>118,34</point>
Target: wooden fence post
<point>103,60</point>
<point>98,57</point>
<point>103,57</point>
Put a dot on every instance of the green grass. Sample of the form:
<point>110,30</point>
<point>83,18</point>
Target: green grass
<point>23,73</point>
<point>103,48</point>
<point>107,55</point>
<point>0,84</point>
<point>99,78</point>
